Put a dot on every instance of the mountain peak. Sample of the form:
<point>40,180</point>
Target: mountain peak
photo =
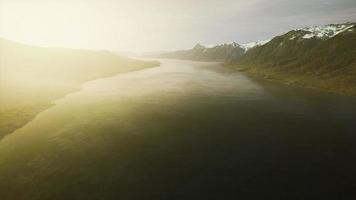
<point>323,32</point>
<point>251,45</point>
<point>199,46</point>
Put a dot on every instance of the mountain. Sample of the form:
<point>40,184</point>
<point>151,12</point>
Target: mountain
<point>320,56</point>
<point>251,45</point>
<point>31,78</point>
<point>224,52</point>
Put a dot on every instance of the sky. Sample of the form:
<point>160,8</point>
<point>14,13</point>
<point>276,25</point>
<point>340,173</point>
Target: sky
<point>160,25</point>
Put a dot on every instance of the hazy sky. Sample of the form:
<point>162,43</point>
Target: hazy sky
<point>150,25</point>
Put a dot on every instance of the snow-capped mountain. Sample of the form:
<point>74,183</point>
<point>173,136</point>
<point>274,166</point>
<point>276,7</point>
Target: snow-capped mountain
<point>285,48</point>
<point>230,51</point>
<point>323,56</point>
<point>224,52</point>
<point>251,45</point>
<point>322,32</point>
<point>298,43</point>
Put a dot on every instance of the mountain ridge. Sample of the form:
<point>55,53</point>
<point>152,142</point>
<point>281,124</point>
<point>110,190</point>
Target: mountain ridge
<point>318,57</point>
<point>228,51</point>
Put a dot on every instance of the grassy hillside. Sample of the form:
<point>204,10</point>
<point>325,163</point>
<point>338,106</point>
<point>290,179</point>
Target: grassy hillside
<point>32,77</point>
<point>224,52</point>
<point>326,62</point>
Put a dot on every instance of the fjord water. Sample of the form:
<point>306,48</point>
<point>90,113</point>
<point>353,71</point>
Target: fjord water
<point>184,130</point>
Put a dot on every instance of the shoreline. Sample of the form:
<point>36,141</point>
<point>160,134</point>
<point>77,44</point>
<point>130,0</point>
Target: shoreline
<point>29,112</point>
<point>298,80</point>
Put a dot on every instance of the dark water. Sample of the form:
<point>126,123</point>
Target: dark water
<point>185,130</point>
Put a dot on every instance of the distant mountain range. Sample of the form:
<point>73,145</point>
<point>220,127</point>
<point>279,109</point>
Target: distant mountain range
<point>319,56</point>
<point>225,52</point>
<point>231,52</point>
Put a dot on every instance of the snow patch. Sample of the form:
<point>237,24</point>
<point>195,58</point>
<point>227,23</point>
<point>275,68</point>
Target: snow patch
<point>254,44</point>
<point>324,32</point>
<point>210,46</point>
<point>308,36</point>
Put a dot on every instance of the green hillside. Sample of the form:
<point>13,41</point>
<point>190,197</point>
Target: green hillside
<point>326,60</point>
<point>33,77</point>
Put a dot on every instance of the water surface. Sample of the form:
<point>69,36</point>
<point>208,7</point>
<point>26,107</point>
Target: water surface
<point>185,130</point>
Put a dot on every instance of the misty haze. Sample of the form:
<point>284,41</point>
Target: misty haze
<point>177,100</point>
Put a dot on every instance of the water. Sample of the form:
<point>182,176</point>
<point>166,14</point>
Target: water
<point>185,130</point>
